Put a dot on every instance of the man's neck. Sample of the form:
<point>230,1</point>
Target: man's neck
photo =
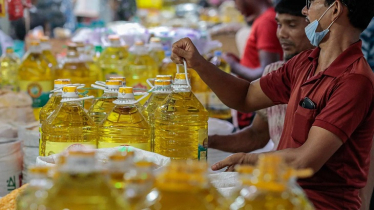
<point>335,46</point>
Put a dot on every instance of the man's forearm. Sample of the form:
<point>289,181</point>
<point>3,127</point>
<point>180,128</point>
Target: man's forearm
<point>246,140</point>
<point>231,90</point>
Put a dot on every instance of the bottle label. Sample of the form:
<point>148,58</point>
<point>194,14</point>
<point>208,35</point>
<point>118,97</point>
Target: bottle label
<point>215,104</point>
<point>38,91</point>
<point>202,151</point>
<point>140,87</point>
<point>202,98</point>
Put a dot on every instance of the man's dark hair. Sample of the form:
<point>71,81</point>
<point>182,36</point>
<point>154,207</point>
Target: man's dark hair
<point>292,7</point>
<point>360,12</point>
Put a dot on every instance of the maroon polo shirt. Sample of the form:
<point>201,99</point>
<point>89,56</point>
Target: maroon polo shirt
<point>343,95</point>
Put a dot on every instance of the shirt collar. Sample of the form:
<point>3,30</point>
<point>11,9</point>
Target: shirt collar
<point>343,61</point>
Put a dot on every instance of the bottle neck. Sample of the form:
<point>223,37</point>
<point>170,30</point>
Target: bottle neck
<point>45,46</point>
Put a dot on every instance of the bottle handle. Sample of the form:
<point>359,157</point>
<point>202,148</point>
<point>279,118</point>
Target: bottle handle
<point>185,72</point>
<point>149,82</point>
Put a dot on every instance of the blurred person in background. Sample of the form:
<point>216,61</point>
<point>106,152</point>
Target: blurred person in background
<point>268,123</point>
<point>329,124</point>
<point>262,46</point>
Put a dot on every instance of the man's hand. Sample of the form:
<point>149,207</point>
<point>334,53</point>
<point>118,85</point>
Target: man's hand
<point>185,49</point>
<point>230,162</point>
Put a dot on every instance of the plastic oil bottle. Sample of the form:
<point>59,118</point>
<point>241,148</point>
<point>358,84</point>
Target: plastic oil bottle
<point>82,186</point>
<point>54,100</point>
<point>168,67</point>
<point>112,59</point>
<point>36,77</point>
<point>181,124</point>
<point>46,49</point>
<point>180,189</point>
<point>139,66</point>
<point>267,187</point>
<point>68,125</point>
<point>36,193</point>
<point>119,164</point>
<point>84,52</point>
<point>9,64</point>
<point>125,124</point>
<point>199,88</point>
<point>161,90</point>
<point>156,50</point>
<point>102,106</point>
<point>97,52</point>
<point>214,106</point>
<point>139,183</point>
<point>77,71</point>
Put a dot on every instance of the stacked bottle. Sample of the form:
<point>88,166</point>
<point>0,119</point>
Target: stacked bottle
<point>125,124</point>
<point>36,77</point>
<point>181,123</point>
<point>81,185</point>
<point>112,59</point>
<point>9,64</point>
<point>270,186</point>
<point>160,91</point>
<point>103,106</point>
<point>68,125</point>
<point>46,50</point>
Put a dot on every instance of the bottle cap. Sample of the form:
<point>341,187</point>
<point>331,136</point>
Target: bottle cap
<point>164,77</point>
<point>113,37</point>
<point>113,82</point>
<point>155,40</point>
<point>167,53</point>
<point>44,39</point>
<point>125,90</point>
<point>139,43</point>
<point>180,76</point>
<point>39,169</point>
<point>59,83</point>
<point>162,82</point>
<point>218,53</point>
<point>123,79</point>
<point>70,92</point>
<point>34,43</point>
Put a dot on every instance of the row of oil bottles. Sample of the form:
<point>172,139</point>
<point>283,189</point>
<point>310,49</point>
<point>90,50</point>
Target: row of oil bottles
<point>79,182</point>
<point>172,122</point>
<point>83,65</point>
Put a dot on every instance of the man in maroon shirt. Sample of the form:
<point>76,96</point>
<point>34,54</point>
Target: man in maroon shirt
<point>329,123</point>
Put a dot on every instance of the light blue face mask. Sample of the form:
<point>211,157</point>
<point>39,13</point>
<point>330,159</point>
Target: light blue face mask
<point>315,37</point>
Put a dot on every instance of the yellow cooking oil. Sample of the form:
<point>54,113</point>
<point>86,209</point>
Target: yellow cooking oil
<point>46,49</point>
<point>125,124</point>
<point>85,55</point>
<point>77,71</point>
<point>267,187</point>
<point>52,104</point>
<point>181,124</point>
<point>156,50</point>
<point>103,105</point>
<point>178,188</point>
<point>112,59</point>
<point>139,183</point>
<point>36,193</point>
<point>139,66</point>
<point>215,107</point>
<point>36,77</point>
<point>68,125</point>
<point>54,100</point>
<point>118,165</point>
<point>161,90</point>
<point>199,88</point>
<point>82,186</point>
<point>9,64</point>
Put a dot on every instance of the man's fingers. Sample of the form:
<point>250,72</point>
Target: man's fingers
<point>221,164</point>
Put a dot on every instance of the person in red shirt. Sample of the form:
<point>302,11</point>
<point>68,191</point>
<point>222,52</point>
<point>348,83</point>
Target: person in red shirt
<point>263,47</point>
<point>329,123</point>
